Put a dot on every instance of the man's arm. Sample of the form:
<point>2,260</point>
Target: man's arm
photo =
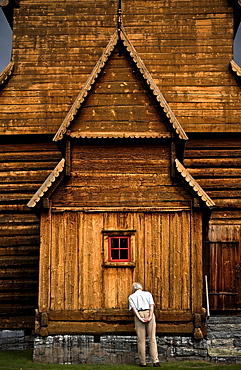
<point>150,314</point>
<point>137,315</point>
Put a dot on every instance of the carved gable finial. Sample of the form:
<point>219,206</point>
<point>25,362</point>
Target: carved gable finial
<point>119,14</point>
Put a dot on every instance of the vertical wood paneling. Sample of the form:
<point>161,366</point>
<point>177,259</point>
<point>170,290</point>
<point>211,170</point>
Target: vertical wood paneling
<point>147,253</point>
<point>95,261</point>
<point>81,283</point>
<point>196,257</point>
<point>186,261</point>
<point>71,263</point>
<point>176,273</point>
<point>139,226</point>
<point>156,257</point>
<point>165,260</point>
<point>223,256</point>
<point>162,250</point>
<point>57,262</point>
<point>91,261</point>
<point>45,262</point>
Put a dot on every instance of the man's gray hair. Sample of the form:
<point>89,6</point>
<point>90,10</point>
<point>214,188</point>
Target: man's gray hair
<point>136,286</point>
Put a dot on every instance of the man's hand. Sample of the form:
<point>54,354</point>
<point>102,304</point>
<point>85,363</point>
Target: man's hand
<point>142,319</point>
<point>147,319</point>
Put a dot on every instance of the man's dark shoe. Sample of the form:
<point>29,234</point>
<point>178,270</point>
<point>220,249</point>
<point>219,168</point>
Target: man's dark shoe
<point>142,365</point>
<point>157,364</point>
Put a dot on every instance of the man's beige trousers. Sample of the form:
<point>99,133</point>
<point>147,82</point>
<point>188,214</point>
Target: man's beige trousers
<point>142,329</point>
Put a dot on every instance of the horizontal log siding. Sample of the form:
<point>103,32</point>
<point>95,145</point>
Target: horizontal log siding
<point>119,102</point>
<point>23,167</point>
<point>78,279</point>
<point>216,165</point>
<point>120,175</point>
<point>186,45</point>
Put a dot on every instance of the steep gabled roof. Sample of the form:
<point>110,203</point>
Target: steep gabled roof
<point>47,184</point>
<point>6,72</point>
<point>193,184</point>
<point>51,179</point>
<point>120,35</point>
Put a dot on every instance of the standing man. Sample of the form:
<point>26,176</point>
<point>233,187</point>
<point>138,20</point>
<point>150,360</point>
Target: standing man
<point>142,304</point>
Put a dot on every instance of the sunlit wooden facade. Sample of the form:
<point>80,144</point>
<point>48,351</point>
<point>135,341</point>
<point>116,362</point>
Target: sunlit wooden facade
<point>166,82</point>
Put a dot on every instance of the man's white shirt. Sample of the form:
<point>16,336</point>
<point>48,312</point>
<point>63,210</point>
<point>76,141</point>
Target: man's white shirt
<point>141,300</point>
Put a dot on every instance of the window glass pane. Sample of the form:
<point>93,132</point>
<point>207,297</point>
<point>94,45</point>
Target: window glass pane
<point>114,243</point>
<point>124,254</point>
<point>123,243</point>
<point>114,254</point>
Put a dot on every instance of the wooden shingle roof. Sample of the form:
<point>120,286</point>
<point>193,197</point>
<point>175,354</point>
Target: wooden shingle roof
<point>235,68</point>
<point>47,184</point>
<point>193,184</point>
<point>6,72</point>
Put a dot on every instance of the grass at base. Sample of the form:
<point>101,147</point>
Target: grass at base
<point>22,360</point>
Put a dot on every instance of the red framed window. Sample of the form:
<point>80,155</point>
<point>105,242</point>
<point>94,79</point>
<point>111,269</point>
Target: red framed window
<point>119,249</point>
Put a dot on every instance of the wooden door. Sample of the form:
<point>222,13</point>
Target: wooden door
<point>223,268</point>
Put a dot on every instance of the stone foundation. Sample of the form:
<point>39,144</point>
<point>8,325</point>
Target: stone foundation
<point>110,349</point>
<point>223,345</point>
<point>224,339</point>
<point>19,340</point>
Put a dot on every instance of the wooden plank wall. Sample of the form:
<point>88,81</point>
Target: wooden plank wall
<point>120,103</point>
<point>121,173</point>
<point>187,49</point>
<point>23,167</point>
<point>185,44</point>
<point>54,53</point>
<point>216,164</point>
<point>79,281</point>
<point>223,254</point>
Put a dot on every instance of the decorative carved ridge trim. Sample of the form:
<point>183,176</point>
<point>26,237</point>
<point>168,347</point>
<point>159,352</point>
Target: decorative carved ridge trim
<point>93,76</point>
<point>87,86</point>
<point>47,183</point>
<point>117,135</point>
<point>6,72</point>
<point>235,67</point>
<point>160,98</point>
<point>196,187</point>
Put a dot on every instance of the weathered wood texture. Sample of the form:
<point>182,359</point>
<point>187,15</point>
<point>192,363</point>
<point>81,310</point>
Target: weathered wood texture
<point>120,103</point>
<point>222,255</point>
<point>122,174</point>
<point>74,261</point>
<point>118,185</point>
<point>185,44</point>
<point>22,169</point>
<point>216,165</point>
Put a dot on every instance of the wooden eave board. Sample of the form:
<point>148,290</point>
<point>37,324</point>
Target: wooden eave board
<point>193,184</point>
<point>122,131</point>
<point>6,72</point>
<point>119,106</point>
<point>47,184</point>
<point>235,68</point>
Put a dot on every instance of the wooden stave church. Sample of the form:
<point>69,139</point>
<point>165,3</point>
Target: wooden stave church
<point>29,154</point>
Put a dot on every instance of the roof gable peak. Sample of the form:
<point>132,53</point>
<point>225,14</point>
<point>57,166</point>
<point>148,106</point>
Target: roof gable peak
<point>120,35</point>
